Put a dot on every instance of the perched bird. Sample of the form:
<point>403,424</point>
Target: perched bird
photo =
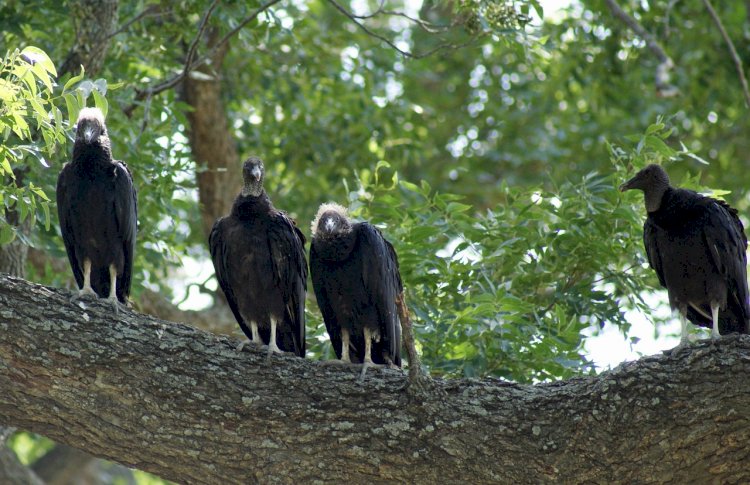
<point>96,204</point>
<point>259,259</point>
<point>357,284</point>
<point>697,246</point>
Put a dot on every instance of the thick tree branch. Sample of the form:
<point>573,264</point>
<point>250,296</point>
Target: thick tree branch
<point>663,70</point>
<point>184,404</point>
<point>732,51</point>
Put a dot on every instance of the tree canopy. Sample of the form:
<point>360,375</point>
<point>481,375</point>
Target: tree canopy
<point>486,138</point>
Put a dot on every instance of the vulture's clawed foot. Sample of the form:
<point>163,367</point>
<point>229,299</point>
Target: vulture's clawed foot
<point>683,345</point>
<point>241,346</point>
<point>115,305</point>
<point>369,365</point>
<point>273,349</point>
<point>83,294</point>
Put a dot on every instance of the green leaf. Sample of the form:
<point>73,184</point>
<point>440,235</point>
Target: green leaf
<point>39,109</point>
<point>658,145</point>
<point>7,234</point>
<point>654,128</point>
<point>41,73</point>
<point>100,102</point>
<point>47,219</point>
<point>455,207</point>
<point>73,80</point>
<point>101,86</point>
<point>71,102</point>
<point>37,56</point>
<point>409,186</point>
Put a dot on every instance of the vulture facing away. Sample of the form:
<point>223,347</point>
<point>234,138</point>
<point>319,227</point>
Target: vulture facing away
<point>356,280</point>
<point>697,246</point>
<point>96,204</point>
<point>259,259</point>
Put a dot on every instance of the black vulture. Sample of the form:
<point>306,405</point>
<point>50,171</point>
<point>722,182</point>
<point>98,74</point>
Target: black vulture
<point>96,204</point>
<point>259,258</point>
<point>355,276</point>
<point>696,245</point>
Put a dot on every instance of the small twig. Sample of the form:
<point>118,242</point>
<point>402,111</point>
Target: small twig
<point>665,62</point>
<point>373,14</point>
<point>368,31</point>
<point>404,53</point>
<point>426,26</point>
<point>201,29</point>
<point>202,288</point>
<point>668,16</point>
<point>150,10</point>
<point>242,25</point>
<point>732,51</point>
<point>633,24</point>
<point>142,94</point>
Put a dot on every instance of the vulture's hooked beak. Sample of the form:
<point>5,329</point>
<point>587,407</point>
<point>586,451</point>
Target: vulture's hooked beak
<point>627,185</point>
<point>256,173</point>
<point>330,224</point>
<point>90,134</point>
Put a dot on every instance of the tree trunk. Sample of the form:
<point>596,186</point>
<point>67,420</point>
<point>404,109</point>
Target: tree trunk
<point>182,403</point>
<point>211,139</point>
<point>12,471</point>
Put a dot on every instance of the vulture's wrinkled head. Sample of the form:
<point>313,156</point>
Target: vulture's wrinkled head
<point>653,181</point>
<point>252,174</point>
<point>331,220</point>
<point>90,127</point>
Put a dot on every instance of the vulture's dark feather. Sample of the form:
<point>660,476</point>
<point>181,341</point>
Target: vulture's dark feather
<point>97,208</point>
<point>355,276</point>
<point>259,260</point>
<point>697,246</point>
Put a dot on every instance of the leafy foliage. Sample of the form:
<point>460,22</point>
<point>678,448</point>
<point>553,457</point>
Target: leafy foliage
<point>507,292</point>
<point>27,109</point>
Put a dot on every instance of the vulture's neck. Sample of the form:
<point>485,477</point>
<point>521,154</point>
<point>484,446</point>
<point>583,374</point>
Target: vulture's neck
<point>92,153</point>
<point>250,206</point>
<point>653,197</point>
<point>336,248</point>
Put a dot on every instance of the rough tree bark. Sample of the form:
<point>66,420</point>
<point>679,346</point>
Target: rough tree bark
<point>184,404</point>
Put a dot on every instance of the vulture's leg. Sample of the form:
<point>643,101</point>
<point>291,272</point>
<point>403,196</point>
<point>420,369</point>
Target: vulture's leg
<point>272,347</point>
<point>113,288</point>
<point>255,340</point>
<point>684,327</point>
<point>345,359</point>
<point>367,363</point>
<point>684,342</point>
<point>86,290</point>
<point>345,346</point>
<point>715,317</point>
